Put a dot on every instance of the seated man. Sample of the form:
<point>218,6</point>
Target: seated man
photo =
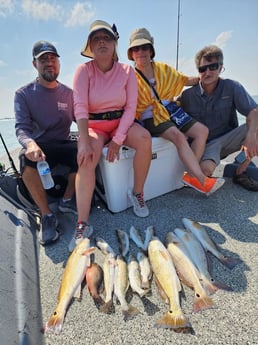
<point>215,102</point>
<point>44,114</point>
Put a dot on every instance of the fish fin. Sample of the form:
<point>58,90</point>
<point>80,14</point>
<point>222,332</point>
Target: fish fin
<point>77,293</point>
<point>88,251</point>
<point>54,323</point>
<point>130,313</point>
<point>174,320</point>
<point>231,262</point>
<point>161,291</point>
<point>202,303</point>
<point>212,286</point>
<point>108,307</point>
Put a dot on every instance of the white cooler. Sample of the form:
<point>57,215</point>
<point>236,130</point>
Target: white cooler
<point>114,179</point>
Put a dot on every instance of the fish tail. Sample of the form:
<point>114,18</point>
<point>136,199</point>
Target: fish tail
<point>231,262</point>
<point>54,323</point>
<point>202,303</point>
<point>98,300</point>
<point>174,320</point>
<point>130,313</point>
<point>107,308</point>
<point>210,287</point>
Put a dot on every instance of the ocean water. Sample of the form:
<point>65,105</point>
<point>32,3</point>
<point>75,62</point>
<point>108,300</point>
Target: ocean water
<point>7,131</point>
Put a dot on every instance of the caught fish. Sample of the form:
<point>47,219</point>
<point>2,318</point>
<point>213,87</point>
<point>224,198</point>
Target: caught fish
<point>94,280</point>
<point>123,241</point>
<point>135,276</point>
<point>197,254</point>
<point>104,247</point>
<point>70,286</point>
<point>135,236</point>
<point>145,270</point>
<point>166,276</point>
<point>149,233</point>
<point>199,231</point>
<point>109,281</point>
<point>187,272</point>
<point>121,286</point>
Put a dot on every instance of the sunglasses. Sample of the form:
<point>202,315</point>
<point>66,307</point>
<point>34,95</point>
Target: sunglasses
<point>212,67</point>
<point>142,47</point>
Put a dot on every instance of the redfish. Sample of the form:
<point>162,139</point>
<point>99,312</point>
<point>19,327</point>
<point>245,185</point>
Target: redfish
<point>197,254</point>
<point>73,276</point>
<point>167,279</point>
<point>187,272</point>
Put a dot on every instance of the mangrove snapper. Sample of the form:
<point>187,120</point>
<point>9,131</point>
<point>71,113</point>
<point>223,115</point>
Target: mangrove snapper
<point>94,280</point>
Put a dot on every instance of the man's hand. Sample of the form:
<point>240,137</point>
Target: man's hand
<point>34,153</point>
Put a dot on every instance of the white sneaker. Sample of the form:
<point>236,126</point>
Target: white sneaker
<point>139,206</point>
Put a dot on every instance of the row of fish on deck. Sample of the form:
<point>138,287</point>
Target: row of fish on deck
<point>181,259</point>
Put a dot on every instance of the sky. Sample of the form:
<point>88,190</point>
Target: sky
<point>230,24</point>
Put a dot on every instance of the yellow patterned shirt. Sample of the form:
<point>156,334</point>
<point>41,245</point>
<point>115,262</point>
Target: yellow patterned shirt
<point>169,83</point>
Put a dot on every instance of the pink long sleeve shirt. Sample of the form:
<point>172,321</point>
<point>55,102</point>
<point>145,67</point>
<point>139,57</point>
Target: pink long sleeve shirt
<point>98,92</point>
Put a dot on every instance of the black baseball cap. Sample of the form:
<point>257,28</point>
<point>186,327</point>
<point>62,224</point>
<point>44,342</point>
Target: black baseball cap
<point>42,47</point>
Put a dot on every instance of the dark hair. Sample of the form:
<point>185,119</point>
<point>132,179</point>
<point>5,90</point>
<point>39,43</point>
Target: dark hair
<point>209,53</point>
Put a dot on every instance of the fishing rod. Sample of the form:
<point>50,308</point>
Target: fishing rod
<point>178,27</point>
<point>9,157</point>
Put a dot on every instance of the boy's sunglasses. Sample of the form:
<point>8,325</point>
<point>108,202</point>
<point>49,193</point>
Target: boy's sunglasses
<point>142,47</point>
<point>212,67</point>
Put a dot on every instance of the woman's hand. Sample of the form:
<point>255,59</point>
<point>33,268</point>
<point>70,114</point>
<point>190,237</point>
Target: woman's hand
<point>85,152</point>
<point>113,151</point>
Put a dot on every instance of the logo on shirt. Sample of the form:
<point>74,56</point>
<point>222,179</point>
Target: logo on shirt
<point>62,106</point>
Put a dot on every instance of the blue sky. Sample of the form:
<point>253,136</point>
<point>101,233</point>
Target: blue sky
<point>231,24</point>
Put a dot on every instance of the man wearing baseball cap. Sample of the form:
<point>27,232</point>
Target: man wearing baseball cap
<point>44,114</point>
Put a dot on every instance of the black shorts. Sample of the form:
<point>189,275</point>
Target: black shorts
<point>57,152</point>
<point>156,131</point>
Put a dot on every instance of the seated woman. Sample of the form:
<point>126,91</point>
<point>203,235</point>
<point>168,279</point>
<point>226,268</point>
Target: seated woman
<point>105,100</point>
<point>158,84</point>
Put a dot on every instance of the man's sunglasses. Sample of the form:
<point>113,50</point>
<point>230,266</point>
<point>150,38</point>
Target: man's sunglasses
<point>142,47</point>
<point>212,67</point>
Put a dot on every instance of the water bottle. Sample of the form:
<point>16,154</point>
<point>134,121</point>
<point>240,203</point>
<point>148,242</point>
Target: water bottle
<point>45,174</point>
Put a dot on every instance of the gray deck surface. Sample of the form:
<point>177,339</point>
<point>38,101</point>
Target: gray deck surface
<point>231,219</point>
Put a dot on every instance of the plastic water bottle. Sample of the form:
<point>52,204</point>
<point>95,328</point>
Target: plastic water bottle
<point>45,174</point>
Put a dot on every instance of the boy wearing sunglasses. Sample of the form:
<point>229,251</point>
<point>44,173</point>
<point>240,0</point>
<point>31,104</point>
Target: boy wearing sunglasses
<point>215,103</point>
